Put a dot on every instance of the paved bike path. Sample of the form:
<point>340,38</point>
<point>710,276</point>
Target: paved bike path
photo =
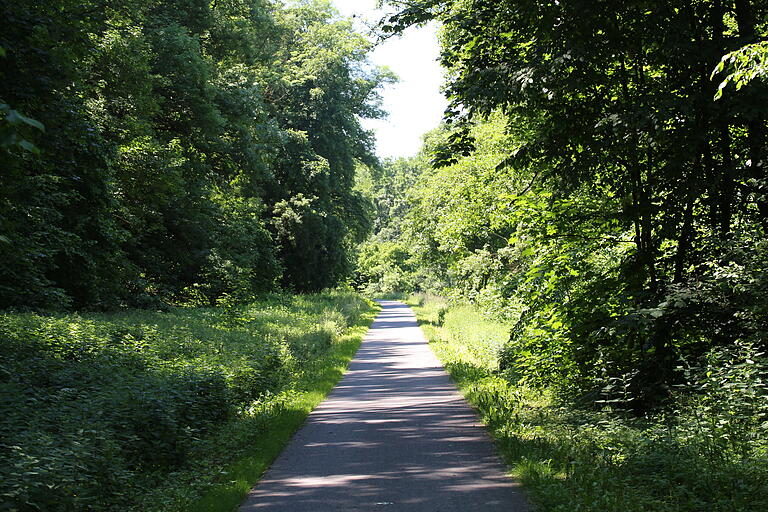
<point>394,435</point>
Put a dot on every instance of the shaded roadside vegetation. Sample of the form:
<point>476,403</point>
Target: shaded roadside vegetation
<point>598,188</point>
<point>706,450</point>
<point>589,189</point>
<point>142,410</point>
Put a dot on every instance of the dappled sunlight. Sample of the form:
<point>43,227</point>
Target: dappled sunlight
<point>393,431</point>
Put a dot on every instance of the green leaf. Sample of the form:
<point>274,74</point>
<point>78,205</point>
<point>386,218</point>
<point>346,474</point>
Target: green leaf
<point>32,122</point>
<point>13,117</point>
<point>28,146</point>
<point>16,119</point>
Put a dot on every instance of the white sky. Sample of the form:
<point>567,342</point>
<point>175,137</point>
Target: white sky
<point>415,104</point>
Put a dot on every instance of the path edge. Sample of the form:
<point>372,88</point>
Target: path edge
<point>242,475</point>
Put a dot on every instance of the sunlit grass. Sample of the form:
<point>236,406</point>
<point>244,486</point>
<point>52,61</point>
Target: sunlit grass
<point>164,411</point>
<point>237,479</point>
<point>584,460</point>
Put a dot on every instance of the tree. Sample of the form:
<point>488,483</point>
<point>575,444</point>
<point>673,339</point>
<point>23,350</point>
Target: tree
<point>622,142</point>
<point>173,132</point>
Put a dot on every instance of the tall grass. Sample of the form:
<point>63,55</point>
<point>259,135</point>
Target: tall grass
<point>142,410</point>
<point>708,451</point>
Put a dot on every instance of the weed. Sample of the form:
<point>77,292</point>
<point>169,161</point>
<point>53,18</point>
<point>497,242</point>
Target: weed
<point>142,410</point>
<point>705,451</point>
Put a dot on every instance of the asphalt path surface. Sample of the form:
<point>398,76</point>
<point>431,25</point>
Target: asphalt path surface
<point>394,435</point>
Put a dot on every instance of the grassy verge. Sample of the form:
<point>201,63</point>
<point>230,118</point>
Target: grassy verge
<point>312,388</point>
<point>599,461</point>
<point>177,410</point>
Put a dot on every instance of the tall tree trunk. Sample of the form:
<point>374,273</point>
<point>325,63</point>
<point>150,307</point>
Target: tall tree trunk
<point>694,183</point>
<point>643,221</point>
<point>725,186</point>
<point>756,126</point>
<point>685,238</point>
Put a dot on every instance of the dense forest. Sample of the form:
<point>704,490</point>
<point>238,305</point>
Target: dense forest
<point>597,195</point>
<point>168,152</point>
<point>583,239</point>
<point>590,186</point>
<point>178,184</point>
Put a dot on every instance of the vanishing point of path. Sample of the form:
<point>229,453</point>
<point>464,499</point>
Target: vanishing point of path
<point>394,435</point>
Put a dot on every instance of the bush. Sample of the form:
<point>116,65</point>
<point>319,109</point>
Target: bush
<point>95,410</point>
<point>722,407</point>
<point>705,450</point>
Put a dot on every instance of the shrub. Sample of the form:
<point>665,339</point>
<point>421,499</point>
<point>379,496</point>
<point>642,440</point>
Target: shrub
<point>705,450</point>
<point>97,409</point>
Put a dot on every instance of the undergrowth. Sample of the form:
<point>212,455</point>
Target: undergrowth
<point>707,450</point>
<point>142,410</point>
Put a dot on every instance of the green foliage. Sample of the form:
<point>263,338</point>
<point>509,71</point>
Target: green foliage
<point>723,402</point>
<point>243,261</point>
<point>588,189</point>
<point>388,262</point>
<point>705,451</point>
<point>747,63</point>
<point>13,124</point>
<point>175,132</point>
<point>382,267</point>
<point>589,195</point>
<point>111,411</point>
<point>310,238</point>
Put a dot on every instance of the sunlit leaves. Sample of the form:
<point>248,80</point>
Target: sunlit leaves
<point>173,130</point>
<point>744,65</point>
